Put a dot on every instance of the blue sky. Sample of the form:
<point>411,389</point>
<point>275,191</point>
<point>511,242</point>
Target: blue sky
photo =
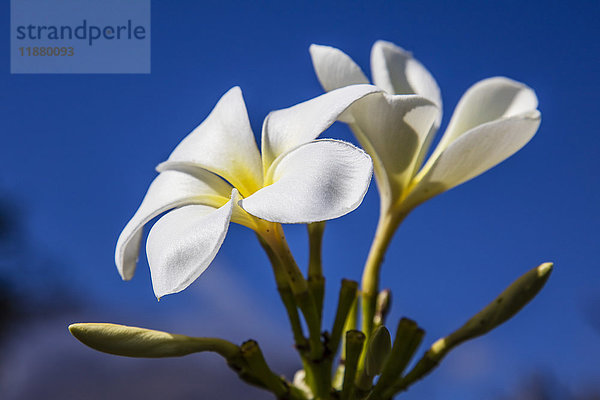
<point>79,151</point>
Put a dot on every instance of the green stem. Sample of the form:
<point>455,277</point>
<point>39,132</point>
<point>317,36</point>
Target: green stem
<point>286,295</point>
<point>318,377</point>
<point>351,322</point>
<point>383,305</point>
<point>258,367</point>
<point>354,345</point>
<point>426,364</point>
<point>290,306</point>
<point>347,297</point>
<point>316,281</point>
<point>388,222</point>
<point>408,338</point>
<point>305,301</point>
<point>222,347</point>
<point>315,240</point>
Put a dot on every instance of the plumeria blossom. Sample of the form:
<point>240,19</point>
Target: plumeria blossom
<point>217,175</point>
<point>492,121</point>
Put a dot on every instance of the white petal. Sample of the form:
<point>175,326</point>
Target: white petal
<point>397,72</point>
<point>334,68</point>
<point>317,181</point>
<point>224,144</point>
<point>475,152</point>
<point>183,243</point>
<point>285,129</point>
<point>486,101</point>
<point>170,189</point>
<point>393,129</point>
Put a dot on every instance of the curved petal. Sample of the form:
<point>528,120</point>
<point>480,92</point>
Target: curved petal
<point>285,129</point>
<point>316,181</point>
<point>183,243</point>
<point>334,68</point>
<point>169,189</point>
<point>473,153</point>
<point>393,129</point>
<point>397,72</point>
<point>224,144</point>
<point>486,101</point>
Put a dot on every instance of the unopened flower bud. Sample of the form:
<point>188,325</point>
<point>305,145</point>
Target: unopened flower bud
<point>130,341</point>
<point>504,307</point>
<point>380,346</point>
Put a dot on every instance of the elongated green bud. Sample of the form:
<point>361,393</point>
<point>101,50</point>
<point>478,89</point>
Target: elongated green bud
<point>130,341</point>
<point>380,346</point>
<point>504,307</point>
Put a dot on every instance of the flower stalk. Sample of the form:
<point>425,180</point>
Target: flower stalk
<point>316,280</point>
<point>253,356</point>
<point>408,338</point>
<point>351,324</point>
<point>286,295</point>
<point>354,346</point>
<point>388,223</point>
<point>275,239</point>
<point>348,293</point>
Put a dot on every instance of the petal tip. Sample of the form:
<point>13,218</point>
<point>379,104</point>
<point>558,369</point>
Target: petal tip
<point>161,167</point>
<point>316,47</point>
<point>385,45</point>
<point>235,90</point>
<point>545,269</point>
<point>535,114</point>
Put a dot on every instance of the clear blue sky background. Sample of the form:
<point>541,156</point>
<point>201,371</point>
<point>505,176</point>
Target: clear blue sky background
<point>78,152</point>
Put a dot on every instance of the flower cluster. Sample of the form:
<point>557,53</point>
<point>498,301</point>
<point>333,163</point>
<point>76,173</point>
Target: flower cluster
<point>217,175</point>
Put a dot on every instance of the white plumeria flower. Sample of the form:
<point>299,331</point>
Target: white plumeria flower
<point>492,121</point>
<point>217,175</point>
